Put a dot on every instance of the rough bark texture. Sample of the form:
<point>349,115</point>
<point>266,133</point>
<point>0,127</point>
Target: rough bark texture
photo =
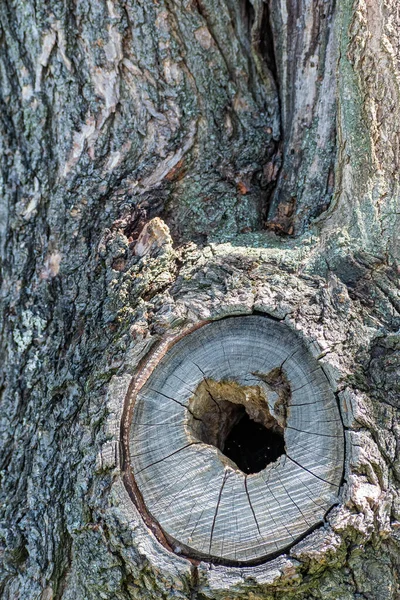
<point>147,166</point>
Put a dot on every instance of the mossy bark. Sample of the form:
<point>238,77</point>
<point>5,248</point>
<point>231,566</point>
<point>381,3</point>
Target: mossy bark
<point>149,184</point>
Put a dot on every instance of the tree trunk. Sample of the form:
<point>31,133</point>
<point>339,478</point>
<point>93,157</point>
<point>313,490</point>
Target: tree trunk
<point>167,164</point>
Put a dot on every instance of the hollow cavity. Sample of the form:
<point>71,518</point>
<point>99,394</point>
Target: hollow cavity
<point>238,421</point>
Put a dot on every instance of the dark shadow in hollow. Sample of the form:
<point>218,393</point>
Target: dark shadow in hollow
<point>252,446</point>
<point>238,421</point>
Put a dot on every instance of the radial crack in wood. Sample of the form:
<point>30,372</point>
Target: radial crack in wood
<point>255,458</point>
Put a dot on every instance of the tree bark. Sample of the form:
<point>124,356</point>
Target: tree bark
<point>164,164</point>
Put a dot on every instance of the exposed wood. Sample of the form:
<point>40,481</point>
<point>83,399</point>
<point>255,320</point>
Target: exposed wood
<point>203,502</point>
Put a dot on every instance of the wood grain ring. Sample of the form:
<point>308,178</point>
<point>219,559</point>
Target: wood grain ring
<point>205,505</point>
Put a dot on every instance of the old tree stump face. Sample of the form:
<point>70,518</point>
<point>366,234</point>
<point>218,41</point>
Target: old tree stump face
<point>236,444</point>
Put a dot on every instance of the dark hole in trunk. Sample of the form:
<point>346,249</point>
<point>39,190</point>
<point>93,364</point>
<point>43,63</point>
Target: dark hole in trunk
<point>252,446</point>
<point>237,420</point>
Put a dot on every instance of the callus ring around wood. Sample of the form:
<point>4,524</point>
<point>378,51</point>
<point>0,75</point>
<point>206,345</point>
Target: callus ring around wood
<point>236,443</point>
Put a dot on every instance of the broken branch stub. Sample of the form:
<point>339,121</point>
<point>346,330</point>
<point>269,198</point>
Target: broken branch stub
<point>234,442</point>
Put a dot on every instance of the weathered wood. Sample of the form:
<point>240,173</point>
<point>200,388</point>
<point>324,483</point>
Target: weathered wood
<point>203,502</point>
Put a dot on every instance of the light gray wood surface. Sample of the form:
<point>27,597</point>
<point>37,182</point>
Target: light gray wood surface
<point>205,504</point>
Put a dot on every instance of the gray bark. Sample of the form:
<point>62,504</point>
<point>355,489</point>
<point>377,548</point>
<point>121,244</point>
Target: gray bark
<point>165,164</point>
